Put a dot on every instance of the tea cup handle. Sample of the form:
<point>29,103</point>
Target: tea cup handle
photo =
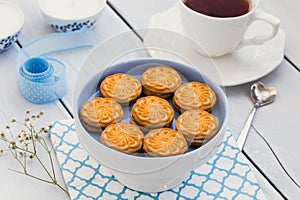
<point>260,15</point>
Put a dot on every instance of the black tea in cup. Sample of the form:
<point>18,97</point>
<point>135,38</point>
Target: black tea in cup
<point>220,8</point>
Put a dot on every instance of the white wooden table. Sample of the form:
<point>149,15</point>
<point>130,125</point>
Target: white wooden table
<point>277,123</point>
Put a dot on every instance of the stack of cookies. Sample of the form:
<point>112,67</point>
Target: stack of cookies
<point>194,100</point>
<point>152,114</point>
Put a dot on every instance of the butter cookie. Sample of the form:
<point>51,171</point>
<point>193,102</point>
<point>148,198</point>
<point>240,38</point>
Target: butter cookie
<point>152,112</point>
<point>123,88</point>
<point>123,136</point>
<point>194,95</point>
<point>98,113</point>
<point>164,142</point>
<point>198,126</point>
<point>160,81</point>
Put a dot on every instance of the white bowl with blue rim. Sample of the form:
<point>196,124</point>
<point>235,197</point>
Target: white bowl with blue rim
<point>146,174</point>
<point>71,15</point>
<point>11,23</point>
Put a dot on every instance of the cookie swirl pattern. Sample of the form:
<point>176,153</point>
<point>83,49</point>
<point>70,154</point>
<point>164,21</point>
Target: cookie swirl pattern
<point>160,81</point>
<point>122,136</point>
<point>164,142</point>
<point>123,88</point>
<point>152,112</point>
<point>98,113</point>
<point>197,125</point>
<point>194,95</point>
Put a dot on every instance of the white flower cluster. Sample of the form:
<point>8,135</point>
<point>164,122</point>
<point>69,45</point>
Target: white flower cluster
<point>24,145</point>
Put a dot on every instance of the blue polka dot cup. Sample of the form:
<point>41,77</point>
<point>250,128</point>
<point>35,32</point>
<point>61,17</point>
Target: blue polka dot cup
<point>73,15</point>
<point>10,27</point>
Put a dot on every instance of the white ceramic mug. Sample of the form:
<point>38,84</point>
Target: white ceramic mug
<point>218,36</point>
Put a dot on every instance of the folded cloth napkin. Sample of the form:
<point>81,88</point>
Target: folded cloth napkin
<point>226,176</point>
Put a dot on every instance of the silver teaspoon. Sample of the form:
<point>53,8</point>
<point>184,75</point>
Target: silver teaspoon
<point>260,96</point>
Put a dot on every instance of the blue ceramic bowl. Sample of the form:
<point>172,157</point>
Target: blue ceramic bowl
<point>139,172</point>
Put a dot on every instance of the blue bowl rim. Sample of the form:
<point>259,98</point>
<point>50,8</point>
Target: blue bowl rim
<point>222,128</point>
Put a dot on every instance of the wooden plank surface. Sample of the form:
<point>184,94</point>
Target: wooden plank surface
<point>107,26</point>
<point>240,106</point>
<point>12,104</point>
<point>34,25</point>
<point>277,123</point>
<point>286,11</point>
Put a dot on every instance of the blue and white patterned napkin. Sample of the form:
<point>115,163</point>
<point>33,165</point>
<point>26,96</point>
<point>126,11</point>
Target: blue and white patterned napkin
<point>226,176</point>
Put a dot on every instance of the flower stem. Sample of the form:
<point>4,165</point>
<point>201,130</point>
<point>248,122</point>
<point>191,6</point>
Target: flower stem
<point>26,145</point>
<point>44,167</point>
<point>44,144</point>
<point>62,188</point>
<point>30,175</point>
<point>45,181</point>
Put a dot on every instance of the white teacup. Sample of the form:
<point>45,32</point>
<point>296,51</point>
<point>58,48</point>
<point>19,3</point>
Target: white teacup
<point>217,36</point>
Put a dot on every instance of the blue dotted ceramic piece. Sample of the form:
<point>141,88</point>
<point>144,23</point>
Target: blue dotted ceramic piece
<point>74,26</point>
<point>37,70</point>
<point>6,43</point>
<point>42,80</point>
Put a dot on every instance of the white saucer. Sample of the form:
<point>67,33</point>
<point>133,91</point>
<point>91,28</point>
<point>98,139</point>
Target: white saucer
<point>245,65</point>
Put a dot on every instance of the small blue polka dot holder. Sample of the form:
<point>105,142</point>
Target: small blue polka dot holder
<point>42,80</point>
<point>37,70</point>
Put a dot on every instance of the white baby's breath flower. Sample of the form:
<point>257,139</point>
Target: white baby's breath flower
<point>12,146</point>
<point>25,144</point>
<point>2,134</point>
<point>32,124</point>
<point>22,134</point>
<point>27,137</point>
<point>13,142</point>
